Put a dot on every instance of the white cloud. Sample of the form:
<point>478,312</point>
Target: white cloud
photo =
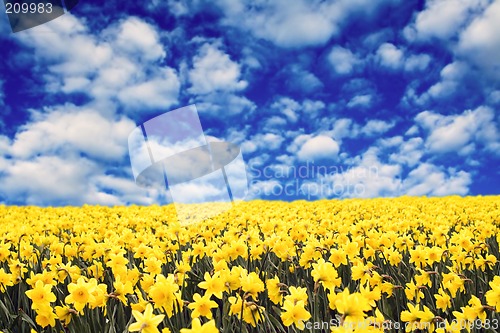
<point>46,179</point>
<point>451,80</point>
<point>428,179</point>
<point>342,60</point>
<point>68,155</point>
<point>198,191</point>
<point>290,114</point>
<point>319,147</point>
<point>124,190</point>
<point>408,152</point>
<point>288,107</point>
<point>412,131</point>
<point>344,128</point>
<point>295,24</point>
<point>307,110</point>
<point>56,180</point>
<point>287,24</point>
<point>176,7</point>
<point>376,127</point>
<point>374,39</point>
<point>135,37</point>
<point>417,62</point>
<point>390,56</point>
<point>68,130</point>
<point>480,42</point>
<point>368,176</point>
<point>158,92</point>
<point>248,147</point>
<point>302,80</point>
<point>451,76</point>
<point>494,97</point>
<point>213,70</point>
<point>390,142</point>
<point>455,133</point>
<point>220,104</point>
<point>360,101</point>
<point>311,108</point>
<point>442,19</point>
<point>275,123</point>
<point>121,60</point>
<point>57,41</point>
<point>377,172</point>
<point>267,141</point>
<point>298,141</point>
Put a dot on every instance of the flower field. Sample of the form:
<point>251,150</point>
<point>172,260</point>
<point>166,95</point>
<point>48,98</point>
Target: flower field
<point>375,265</point>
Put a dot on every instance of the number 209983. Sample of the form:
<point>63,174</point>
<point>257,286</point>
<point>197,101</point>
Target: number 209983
<point>24,8</point>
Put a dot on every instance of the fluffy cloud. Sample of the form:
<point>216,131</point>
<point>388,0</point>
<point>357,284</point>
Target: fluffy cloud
<point>360,101</point>
<point>480,41</point>
<point>159,92</point>
<point>342,60</point>
<point>137,38</point>
<point>376,127</point>
<point>301,80</point>
<point>67,156</point>
<point>296,112</point>
<point>275,124</point>
<point>431,23</point>
<point>285,24</point>
<point>69,131</point>
<point>428,179</point>
<point>287,107</point>
<point>319,147</point>
<point>213,70</point>
<point>267,141</point>
<point>408,152</point>
<point>298,23</point>
<point>390,56</point>
<point>121,60</point>
<point>460,133</point>
<point>451,76</point>
<point>417,62</point>
<point>215,80</point>
<point>66,45</point>
<point>45,180</point>
<point>343,128</point>
<point>370,176</point>
<point>224,104</point>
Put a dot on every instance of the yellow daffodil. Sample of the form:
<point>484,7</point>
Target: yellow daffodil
<point>146,322</point>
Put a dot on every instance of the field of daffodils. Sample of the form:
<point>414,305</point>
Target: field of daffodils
<point>376,265</point>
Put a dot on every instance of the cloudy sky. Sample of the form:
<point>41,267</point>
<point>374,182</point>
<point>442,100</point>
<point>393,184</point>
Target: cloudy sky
<point>346,98</point>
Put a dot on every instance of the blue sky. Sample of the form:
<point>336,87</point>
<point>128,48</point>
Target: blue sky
<point>327,99</point>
